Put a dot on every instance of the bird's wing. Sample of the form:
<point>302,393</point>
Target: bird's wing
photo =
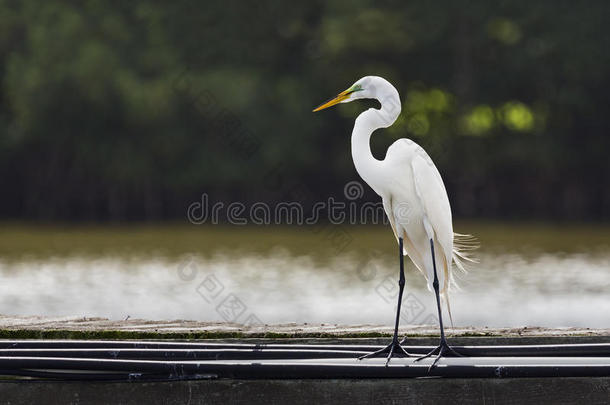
<point>431,192</point>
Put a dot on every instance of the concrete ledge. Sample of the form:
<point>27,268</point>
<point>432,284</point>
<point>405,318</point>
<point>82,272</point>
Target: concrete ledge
<point>588,391</point>
<point>35,327</point>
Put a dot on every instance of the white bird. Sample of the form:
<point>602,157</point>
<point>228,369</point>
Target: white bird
<point>414,199</point>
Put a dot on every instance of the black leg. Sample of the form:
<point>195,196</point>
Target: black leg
<point>401,286</point>
<point>443,348</point>
<point>394,347</point>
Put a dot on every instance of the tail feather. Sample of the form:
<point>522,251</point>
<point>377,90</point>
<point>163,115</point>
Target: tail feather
<point>463,247</point>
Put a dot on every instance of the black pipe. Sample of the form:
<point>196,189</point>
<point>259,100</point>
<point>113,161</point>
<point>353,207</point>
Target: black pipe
<point>181,354</point>
<point>297,352</point>
<point>256,370</point>
<point>135,361</point>
<point>224,349</point>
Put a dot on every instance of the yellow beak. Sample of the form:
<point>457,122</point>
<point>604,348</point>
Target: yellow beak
<point>340,97</point>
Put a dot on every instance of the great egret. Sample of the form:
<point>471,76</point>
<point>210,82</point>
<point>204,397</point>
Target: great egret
<point>414,199</point>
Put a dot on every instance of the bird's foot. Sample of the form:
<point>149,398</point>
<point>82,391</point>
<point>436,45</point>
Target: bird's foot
<point>391,349</point>
<point>442,350</point>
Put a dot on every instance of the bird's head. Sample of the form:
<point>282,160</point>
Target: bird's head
<point>371,87</point>
<point>361,89</point>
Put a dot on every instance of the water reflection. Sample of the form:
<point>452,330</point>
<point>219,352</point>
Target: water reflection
<point>290,277</point>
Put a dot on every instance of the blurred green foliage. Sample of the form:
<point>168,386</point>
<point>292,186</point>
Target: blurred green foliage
<point>131,110</point>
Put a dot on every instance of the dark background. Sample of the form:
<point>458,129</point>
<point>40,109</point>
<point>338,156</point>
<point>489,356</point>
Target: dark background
<point>114,111</point>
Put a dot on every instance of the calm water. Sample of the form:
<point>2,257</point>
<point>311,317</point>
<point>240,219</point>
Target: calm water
<point>528,275</point>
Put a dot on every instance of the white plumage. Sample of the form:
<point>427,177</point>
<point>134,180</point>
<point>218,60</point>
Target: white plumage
<point>411,188</point>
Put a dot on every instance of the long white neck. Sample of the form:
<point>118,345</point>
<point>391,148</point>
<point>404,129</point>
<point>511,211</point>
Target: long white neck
<point>367,166</point>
